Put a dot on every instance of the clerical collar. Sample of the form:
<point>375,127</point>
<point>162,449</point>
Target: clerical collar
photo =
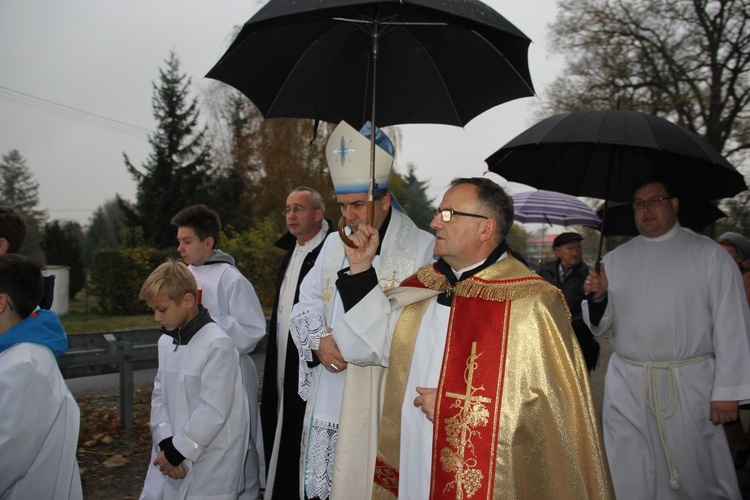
<point>315,240</point>
<point>674,230</point>
<point>459,272</point>
<point>183,335</point>
<point>466,273</point>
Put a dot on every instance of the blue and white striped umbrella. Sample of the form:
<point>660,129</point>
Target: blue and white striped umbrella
<point>550,207</point>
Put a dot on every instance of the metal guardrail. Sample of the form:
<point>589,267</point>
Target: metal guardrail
<point>120,352</point>
<point>123,352</point>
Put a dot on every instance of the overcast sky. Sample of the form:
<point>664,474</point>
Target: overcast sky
<point>101,57</point>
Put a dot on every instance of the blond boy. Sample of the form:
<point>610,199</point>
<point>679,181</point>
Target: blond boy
<point>199,414</point>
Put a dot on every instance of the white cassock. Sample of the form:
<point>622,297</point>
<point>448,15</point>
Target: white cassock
<point>287,292</point>
<point>234,306</point>
<point>199,399</point>
<point>675,298</point>
<point>39,422</point>
<point>424,371</point>
<point>374,347</point>
<point>404,249</point>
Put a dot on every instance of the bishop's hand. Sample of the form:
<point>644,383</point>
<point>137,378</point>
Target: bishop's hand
<point>367,240</point>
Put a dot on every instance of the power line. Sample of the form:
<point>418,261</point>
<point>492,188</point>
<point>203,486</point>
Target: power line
<point>14,96</point>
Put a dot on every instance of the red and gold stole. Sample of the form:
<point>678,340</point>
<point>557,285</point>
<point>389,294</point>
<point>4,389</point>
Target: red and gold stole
<point>467,413</point>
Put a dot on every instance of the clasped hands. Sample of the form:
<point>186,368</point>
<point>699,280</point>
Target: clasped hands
<point>175,472</point>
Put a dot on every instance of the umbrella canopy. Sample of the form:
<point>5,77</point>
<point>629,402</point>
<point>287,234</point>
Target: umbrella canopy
<point>549,207</point>
<point>694,215</point>
<point>601,154</point>
<point>387,61</point>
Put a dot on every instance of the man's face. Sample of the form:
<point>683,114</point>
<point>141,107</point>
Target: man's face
<point>354,209</point>
<point>732,250</point>
<point>653,221</point>
<point>570,254</point>
<point>170,314</point>
<point>303,220</point>
<point>191,248</point>
<point>458,242</point>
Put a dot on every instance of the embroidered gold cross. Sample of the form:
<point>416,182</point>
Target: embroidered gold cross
<point>388,283</point>
<point>472,413</point>
<point>327,290</point>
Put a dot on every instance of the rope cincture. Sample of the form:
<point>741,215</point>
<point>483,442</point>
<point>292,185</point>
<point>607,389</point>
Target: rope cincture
<point>652,397</point>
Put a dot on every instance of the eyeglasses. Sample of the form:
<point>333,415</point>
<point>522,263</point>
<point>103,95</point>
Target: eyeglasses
<point>293,210</point>
<point>650,203</point>
<point>446,214</point>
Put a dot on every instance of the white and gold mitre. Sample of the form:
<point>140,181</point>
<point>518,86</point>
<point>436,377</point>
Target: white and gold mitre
<point>348,157</point>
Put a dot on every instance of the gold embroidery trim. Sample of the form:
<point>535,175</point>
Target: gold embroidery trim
<point>489,284</point>
<point>327,290</point>
<point>459,456</point>
<point>388,283</point>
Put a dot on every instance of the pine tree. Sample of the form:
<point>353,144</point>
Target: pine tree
<point>62,247</point>
<point>19,190</point>
<point>103,231</point>
<point>179,170</point>
<point>411,193</point>
<point>235,143</point>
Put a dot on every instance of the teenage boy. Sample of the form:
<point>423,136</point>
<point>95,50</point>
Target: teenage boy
<point>12,235</point>
<point>199,413</point>
<point>234,306</point>
<point>39,419</point>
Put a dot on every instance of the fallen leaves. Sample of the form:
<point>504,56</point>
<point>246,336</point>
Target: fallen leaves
<point>115,461</point>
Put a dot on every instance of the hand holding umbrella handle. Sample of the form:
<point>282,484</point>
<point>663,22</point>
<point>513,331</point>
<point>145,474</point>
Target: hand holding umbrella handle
<point>342,224</point>
<point>342,233</point>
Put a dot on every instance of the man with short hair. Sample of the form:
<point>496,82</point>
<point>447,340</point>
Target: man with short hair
<point>324,376</point>
<point>568,272</point>
<point>282,410</point>
<point>486,393</point>
<point>679,323</point>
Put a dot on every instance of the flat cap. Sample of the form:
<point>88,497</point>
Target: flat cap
<point>566,238</point>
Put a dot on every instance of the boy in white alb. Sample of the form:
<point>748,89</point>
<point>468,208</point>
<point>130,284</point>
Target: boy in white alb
<point>199,413</point>
<point>39,419</point>
<point>233,304</point>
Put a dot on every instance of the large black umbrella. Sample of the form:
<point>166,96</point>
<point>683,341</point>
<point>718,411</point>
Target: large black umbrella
<point>601,154</point>
<point>694,215</point>
<point>430,61</point>
<point>386,61</point>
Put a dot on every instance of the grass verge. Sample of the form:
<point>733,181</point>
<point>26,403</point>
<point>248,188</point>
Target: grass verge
<point>82,318</point>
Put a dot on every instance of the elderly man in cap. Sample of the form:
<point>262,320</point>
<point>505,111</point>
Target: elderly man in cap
<point>323,372</point>
<point>568,272</point>
<point>738,247</point>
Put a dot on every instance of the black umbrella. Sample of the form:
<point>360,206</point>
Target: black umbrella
<point>601,154</point>
<point>694,215</point>
<point>430,61</point>
<point>576,153</point>
<point>386,61</point>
